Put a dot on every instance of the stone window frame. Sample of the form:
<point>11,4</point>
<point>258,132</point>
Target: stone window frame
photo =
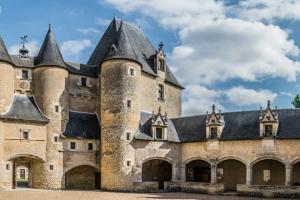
<point>7,167</point>
<point>29,75</point>
<point>162,96</point>
<point>88,146</point>
<point>57,108</point>
<point>216,133</point>
<point>51,167</point>
<point>55,136</point>
<point>70,146</point>
<point>128,163</point>
<point>87,82</point>
<point>129,104</point>
<point>161,64</point>
<point>128,135</point>
<point>22,131</point>
<point>164,132</point>
<point>131,71</point>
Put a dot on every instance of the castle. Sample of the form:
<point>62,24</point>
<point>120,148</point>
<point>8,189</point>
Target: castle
<point>115,124</point>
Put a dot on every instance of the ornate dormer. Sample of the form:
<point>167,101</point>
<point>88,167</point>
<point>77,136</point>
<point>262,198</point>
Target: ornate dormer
<point>159,125</point>
<point>160,58</point>
<point>214,124</point>
<point>268,120</point>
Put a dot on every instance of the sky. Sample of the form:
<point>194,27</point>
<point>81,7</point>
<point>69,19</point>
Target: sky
<point>236,54</point>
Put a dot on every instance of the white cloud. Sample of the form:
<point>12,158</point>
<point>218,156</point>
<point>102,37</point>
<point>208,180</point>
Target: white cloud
<point>267,10</point>
<point>74,47</point>
<point>87,31</point>
<point>102,21</point>
<point>245,97</point>
<point>200,99</point>
<point>33,47</point>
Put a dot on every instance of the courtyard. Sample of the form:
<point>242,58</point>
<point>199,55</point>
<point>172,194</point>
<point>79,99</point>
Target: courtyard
<point>32,194</point>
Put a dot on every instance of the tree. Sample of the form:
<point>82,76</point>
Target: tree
<point>296,101</point>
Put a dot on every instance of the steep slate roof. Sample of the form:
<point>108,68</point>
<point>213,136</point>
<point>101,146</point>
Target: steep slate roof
<point>82,125</point>
<point>4,56</point>
<point>24,108</point>
<point>82,69</point>
<point>123,40</point>
<point>242,125</point>
<point>49,54</point>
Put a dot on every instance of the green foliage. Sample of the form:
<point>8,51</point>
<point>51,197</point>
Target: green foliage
<point>296,101</point>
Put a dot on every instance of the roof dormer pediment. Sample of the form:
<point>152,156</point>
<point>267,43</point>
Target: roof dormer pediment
<point>159,119</point>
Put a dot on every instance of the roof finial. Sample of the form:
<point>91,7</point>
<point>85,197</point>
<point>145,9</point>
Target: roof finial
<point>269,104</point>
<point>24,51</point>
<point>160,46</point>
<point>49,27</point>
<point>213,108</point>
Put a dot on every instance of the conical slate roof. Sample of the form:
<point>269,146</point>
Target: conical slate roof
<point>49,54</point>
<point>124,40</point>
<point>4,56</point>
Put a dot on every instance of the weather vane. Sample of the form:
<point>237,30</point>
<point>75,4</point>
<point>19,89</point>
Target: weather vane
<point>24,40</point>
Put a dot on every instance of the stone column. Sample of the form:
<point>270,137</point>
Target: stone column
<point>249,169</point>
<point>288,174</point>
<point>213,174</point>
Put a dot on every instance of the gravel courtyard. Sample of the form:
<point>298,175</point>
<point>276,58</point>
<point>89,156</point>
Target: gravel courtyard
<point>98,195</point>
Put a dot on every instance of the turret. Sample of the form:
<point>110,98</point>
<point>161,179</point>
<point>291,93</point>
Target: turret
<point>50,84</point>
<point>6,76</point>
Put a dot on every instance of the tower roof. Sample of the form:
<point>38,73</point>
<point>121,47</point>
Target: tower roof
<point>49,54</point>
<point>4,56</point>
<point>124,40</point>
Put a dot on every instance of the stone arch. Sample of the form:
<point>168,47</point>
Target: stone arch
<point>231,171</point>
<point>197,158</point>
<point>219,160</point>
<point>197,170</point>
<point>268,170</point>
<point>82,176</point>
<point>26,156</point>
<point>157,169</point>
<point>295,173</point>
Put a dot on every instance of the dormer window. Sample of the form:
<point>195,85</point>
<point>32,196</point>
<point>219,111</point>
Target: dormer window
<point>268,121</point>
<point>214,124</point>
<point>24,74</point>
<point>159,125</point>
<point>161,65</point>
<point>268,131</point>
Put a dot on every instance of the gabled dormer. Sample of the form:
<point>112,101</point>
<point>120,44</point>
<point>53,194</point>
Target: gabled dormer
<point>214,124</point>
<point>269,122</point>
<point>160,59</point>
<point>159,125</point>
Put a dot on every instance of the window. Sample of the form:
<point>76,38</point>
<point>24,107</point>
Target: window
<point>55,138</point>
<point>213,133</point>
<point>129,104</point>
<point>161,65</point>
<point>160,91</point>
<point>72,145</point>
<point>25,74</point>
<point>159,133</point>
<point>51,167</point>
<point>267,175</point>
<point>90,146</point>
<point>128,136</point>
<point>83,81</point>
<point>22,173</point>
<point>25,135</point>
<point>128,163</point>
<point>57,108</point>
<point>268,130</point>
<point>131,71</point>
<point>7,166</point>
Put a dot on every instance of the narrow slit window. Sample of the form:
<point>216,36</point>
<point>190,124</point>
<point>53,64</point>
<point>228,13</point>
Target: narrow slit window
<point>83,81</point>
<point>129,104</point>
<point>161,91</point>
<point>90,146</point>
<point>128,136</point>
<point>73,145</point>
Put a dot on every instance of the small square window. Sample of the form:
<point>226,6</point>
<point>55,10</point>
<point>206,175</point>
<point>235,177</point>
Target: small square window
<point>7,167</point>
<point>25,74</point>
<point>55,138</point>
<point>73,145</point>
<point>131,71</point>
<point>129,104</point>
<point>128,163</point>
<point>213,133</point>
<point>128,136</point>
<point>56,108</point>
<point>159,133</point>
<point>90,146</point>
<point>25,135</point>
<point>51,167</point>
<point>83,81</point>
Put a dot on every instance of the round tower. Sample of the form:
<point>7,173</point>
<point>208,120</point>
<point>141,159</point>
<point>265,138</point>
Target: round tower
<point>119,120</point>
<point>50,86</point>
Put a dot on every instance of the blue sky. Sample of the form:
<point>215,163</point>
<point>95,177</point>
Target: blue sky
<point>235,54</point>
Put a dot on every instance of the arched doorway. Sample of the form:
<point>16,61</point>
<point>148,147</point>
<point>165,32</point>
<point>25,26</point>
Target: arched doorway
<point>82,177</point>
<point>231,172</point>
<point>157,170</point>
<point>268,172</point>
<point>198,171</point>
<point>26,171</point>
<point>296,174</point>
